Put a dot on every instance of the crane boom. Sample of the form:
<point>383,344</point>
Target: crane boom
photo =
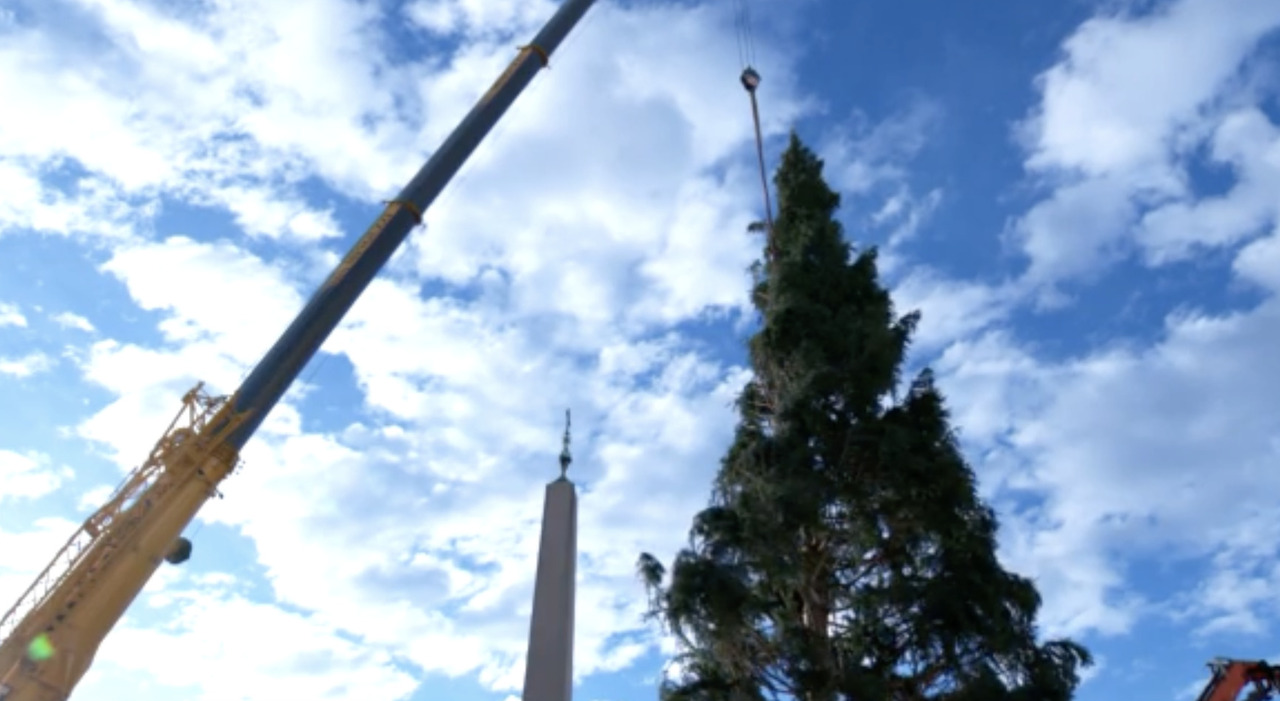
<point>49,637</point>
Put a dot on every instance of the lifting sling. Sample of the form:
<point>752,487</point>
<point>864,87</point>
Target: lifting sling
<point>750,81</point>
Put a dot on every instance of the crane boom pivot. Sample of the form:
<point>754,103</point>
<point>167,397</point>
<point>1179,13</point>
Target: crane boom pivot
<point>49,637</point>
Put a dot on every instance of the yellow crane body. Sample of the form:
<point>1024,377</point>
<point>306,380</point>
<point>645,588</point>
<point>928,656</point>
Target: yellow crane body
<point>52,633</point>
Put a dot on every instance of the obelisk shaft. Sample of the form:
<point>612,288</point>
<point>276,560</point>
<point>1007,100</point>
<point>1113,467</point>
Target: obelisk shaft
<point>548,674</point>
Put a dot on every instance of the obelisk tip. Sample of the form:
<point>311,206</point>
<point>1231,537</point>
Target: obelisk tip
<point>565,457</point>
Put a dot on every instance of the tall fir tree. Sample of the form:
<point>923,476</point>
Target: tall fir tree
<point>845,553</point>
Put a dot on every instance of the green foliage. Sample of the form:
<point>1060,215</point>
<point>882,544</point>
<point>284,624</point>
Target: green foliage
<point>845,553</point>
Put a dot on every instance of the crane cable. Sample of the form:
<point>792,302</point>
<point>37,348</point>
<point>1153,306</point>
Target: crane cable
<point>750,81</point>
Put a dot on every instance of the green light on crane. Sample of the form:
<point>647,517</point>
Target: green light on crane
<point>40,649</point>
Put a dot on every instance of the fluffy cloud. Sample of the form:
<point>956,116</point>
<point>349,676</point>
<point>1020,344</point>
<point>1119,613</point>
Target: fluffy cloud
<point>29,475</point>
<point>1248,143</point>
<point>617,208</point>
<point>218,644</point>
<point>474,18</point>
<point>27,365</point>
<point>950,309</point>
<point>92,207</point>
<point>1078,231</point>
<point>27,552</point>
<point>1259,262</point>
<point>864,154</point>
<point>11,315</point>
<point>1136,453</point>
<point>177,275</point>
<point>263,213</point>
<point>1119,117</point>
<point>222,306</point>
<point>229,107</point>
<point>1127,85</point>
<point>69,320</point>
<point>871,162</point>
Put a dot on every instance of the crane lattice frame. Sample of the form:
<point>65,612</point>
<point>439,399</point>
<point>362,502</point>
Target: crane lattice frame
<point>198,408</point>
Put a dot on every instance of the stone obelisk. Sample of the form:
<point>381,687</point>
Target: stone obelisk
<point>548,673</point>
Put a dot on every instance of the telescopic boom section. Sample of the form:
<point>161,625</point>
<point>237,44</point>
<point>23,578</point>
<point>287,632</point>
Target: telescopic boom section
<point>49,637</point>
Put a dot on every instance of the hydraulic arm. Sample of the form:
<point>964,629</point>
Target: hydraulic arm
<point>1230,677</point>
<point>49,637</point>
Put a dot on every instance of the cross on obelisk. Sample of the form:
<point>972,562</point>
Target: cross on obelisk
<point>548,673</point>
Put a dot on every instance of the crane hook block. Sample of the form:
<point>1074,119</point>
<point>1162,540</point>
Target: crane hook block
<point>179,553</point>
<point>750,79</point>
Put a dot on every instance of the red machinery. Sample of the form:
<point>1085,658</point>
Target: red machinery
<point>1230,677</point>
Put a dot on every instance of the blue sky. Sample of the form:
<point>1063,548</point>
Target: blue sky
<point>1080,197</point>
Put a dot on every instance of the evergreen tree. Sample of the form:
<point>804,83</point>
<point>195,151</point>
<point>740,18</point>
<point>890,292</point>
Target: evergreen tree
<point>845,553</point>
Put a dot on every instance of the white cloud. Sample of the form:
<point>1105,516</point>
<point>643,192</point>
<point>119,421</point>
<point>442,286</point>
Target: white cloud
<point>269,213</point>
<point>906,213</point>
<point>1090,673</point>
<point>54,97</point>
<point>477,17</point>
<point>189,280</point>
<point>869,163</point>
<point>220,645</point>
<point>1249,143</point>
<point>91,207</point>
<point>221,305</point>
<point>27,365</point>
<point>1128,85</point>
<point>1259,262</point>
<point>11,315</point>
<point>1120,115</point>
<point>864,155</point>
<point>270,95</point>
<point>69,320</point>
<point>950,309</point>
<point>1235,597</point>
<point>229,106</point>
<point>628,209</point>
<point>1077,231</point>
<point>28,552</point>
<point>1136,452</point>
<point>29,475</point>
<point>96,497</point>
<point>1140,452</point>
